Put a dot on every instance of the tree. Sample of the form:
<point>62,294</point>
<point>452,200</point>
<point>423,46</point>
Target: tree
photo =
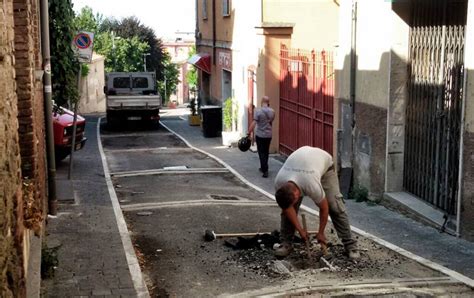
<point>130,27</point>
<point>168,85</point>
<point>191,75</point>
<point>87,21</point>
<point>64,65</point>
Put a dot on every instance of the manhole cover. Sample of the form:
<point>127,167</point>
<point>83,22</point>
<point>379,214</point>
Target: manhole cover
<point>224,198</point>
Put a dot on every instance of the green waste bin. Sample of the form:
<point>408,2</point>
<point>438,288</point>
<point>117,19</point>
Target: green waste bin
<point>211,121</point>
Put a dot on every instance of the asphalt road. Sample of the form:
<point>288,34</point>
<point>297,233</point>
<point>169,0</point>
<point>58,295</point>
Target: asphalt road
<point>170,194</point>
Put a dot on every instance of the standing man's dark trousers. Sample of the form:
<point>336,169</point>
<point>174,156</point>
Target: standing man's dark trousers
<point>263,147</point>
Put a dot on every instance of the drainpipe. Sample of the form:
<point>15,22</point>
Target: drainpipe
<point>461,147</point>
<point>353,68</point>
<point>196,31</point>
<point>214,33</point>
<point>48,107</point>
<point>461,156</point>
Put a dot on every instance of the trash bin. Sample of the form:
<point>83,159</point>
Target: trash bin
<point>211,121</point>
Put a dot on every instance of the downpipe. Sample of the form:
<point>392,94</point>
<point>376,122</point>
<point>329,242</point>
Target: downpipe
<point>48,107</point>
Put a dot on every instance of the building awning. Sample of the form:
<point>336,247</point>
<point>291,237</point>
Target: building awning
<point>201,61</point>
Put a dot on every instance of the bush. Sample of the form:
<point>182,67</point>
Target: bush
<point>229,111</point>
<point>359,193</point>
<point>49,260</point>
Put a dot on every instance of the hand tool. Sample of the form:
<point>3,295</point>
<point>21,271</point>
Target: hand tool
<point>303,219</point>
<point>210,235</point>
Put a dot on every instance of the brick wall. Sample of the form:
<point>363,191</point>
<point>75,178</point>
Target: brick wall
<point>22,138</point>
<point>30,98</point>
<point>11,231</point>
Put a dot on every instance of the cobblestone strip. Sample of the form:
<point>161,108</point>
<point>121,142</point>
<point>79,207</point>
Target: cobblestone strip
<point>133,265</point>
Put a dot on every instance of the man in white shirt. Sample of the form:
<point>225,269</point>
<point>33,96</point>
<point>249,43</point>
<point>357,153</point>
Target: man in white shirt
<point>309,171</point>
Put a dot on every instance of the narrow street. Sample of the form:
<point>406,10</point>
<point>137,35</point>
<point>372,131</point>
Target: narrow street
<point>171,194</point>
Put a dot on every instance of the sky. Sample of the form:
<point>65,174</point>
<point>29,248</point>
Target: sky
<point>164,16</point>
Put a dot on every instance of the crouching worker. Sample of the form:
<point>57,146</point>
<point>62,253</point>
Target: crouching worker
<point>309,172</point>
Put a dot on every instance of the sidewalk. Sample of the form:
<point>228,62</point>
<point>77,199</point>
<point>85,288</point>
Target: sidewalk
<point>91,257</point>
<point>424,241</point>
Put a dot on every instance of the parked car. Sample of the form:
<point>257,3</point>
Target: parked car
<point>62,127</point>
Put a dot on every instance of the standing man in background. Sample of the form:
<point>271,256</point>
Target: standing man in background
<point>263,119</point>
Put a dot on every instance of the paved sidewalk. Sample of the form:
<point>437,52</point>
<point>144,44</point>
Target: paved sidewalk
<point>91,256</point>
<point>427,242</point>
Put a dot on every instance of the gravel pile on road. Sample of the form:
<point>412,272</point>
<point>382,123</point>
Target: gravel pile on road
<point>256,255</point>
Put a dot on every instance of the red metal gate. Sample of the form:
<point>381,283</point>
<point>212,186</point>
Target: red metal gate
<point>306,100</point>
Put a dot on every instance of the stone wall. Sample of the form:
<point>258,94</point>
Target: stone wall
<point>370,144</point>
<point>11,228</point>
<point>467,207</point>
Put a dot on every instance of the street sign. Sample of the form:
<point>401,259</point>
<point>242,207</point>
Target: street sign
<point>82,44</point>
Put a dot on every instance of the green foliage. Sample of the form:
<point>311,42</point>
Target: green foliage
<point>49,260</point>
<point>64,65</point>
<point>130,27</point>
<point>168,85</point>
<point>359,193</point>
<point>229,113</point>
<point>84,70</point>
<point>87,21</point>
<point>123,43</point>
<point>191,75</point>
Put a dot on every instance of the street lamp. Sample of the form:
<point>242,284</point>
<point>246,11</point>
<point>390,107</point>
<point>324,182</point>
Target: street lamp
<point>144,60</point>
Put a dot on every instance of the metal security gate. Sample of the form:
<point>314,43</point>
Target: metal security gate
<point>433,111</point>
<point>306,100</point>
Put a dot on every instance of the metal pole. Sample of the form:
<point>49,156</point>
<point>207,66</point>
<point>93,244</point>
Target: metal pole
<point>144,61</point>
<point>48,107</point>
<point>165,88</point>
<point>74,122</point>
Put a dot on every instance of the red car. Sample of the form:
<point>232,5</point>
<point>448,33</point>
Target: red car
<point>62,126</point>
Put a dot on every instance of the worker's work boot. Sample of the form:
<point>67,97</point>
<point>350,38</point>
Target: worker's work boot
<point>353,254</point>
<point>283,250</point>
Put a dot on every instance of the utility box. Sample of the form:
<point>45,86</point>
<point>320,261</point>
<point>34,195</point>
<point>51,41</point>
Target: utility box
<point>211,121</point>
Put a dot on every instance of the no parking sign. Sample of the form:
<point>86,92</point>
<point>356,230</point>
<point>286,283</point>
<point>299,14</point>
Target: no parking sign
<point>82,44</point>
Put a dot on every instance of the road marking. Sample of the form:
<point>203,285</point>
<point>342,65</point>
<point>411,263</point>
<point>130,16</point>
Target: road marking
<point>193,203</point>
<point>169,172</point>
<point>133,265</point>
<point>430,264</point>
<point>156,150</point>
<point>133,134</point>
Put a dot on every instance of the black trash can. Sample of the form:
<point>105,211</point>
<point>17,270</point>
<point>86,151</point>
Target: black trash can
<point>211,121</point>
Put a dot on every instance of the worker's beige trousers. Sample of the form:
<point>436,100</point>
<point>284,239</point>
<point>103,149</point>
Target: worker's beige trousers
<point>337,212</point>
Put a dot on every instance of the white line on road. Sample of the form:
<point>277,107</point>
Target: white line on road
<point>193,203</point>
<point>133,265</point>
<point>430,264</point>
<point>164,150</point>
<point>169,172</point>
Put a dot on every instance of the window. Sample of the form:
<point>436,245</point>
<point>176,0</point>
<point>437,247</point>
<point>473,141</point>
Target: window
<point>140,82</point>
<point>204,9</point>
<point>123,82</point>
<point>225,8</point>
